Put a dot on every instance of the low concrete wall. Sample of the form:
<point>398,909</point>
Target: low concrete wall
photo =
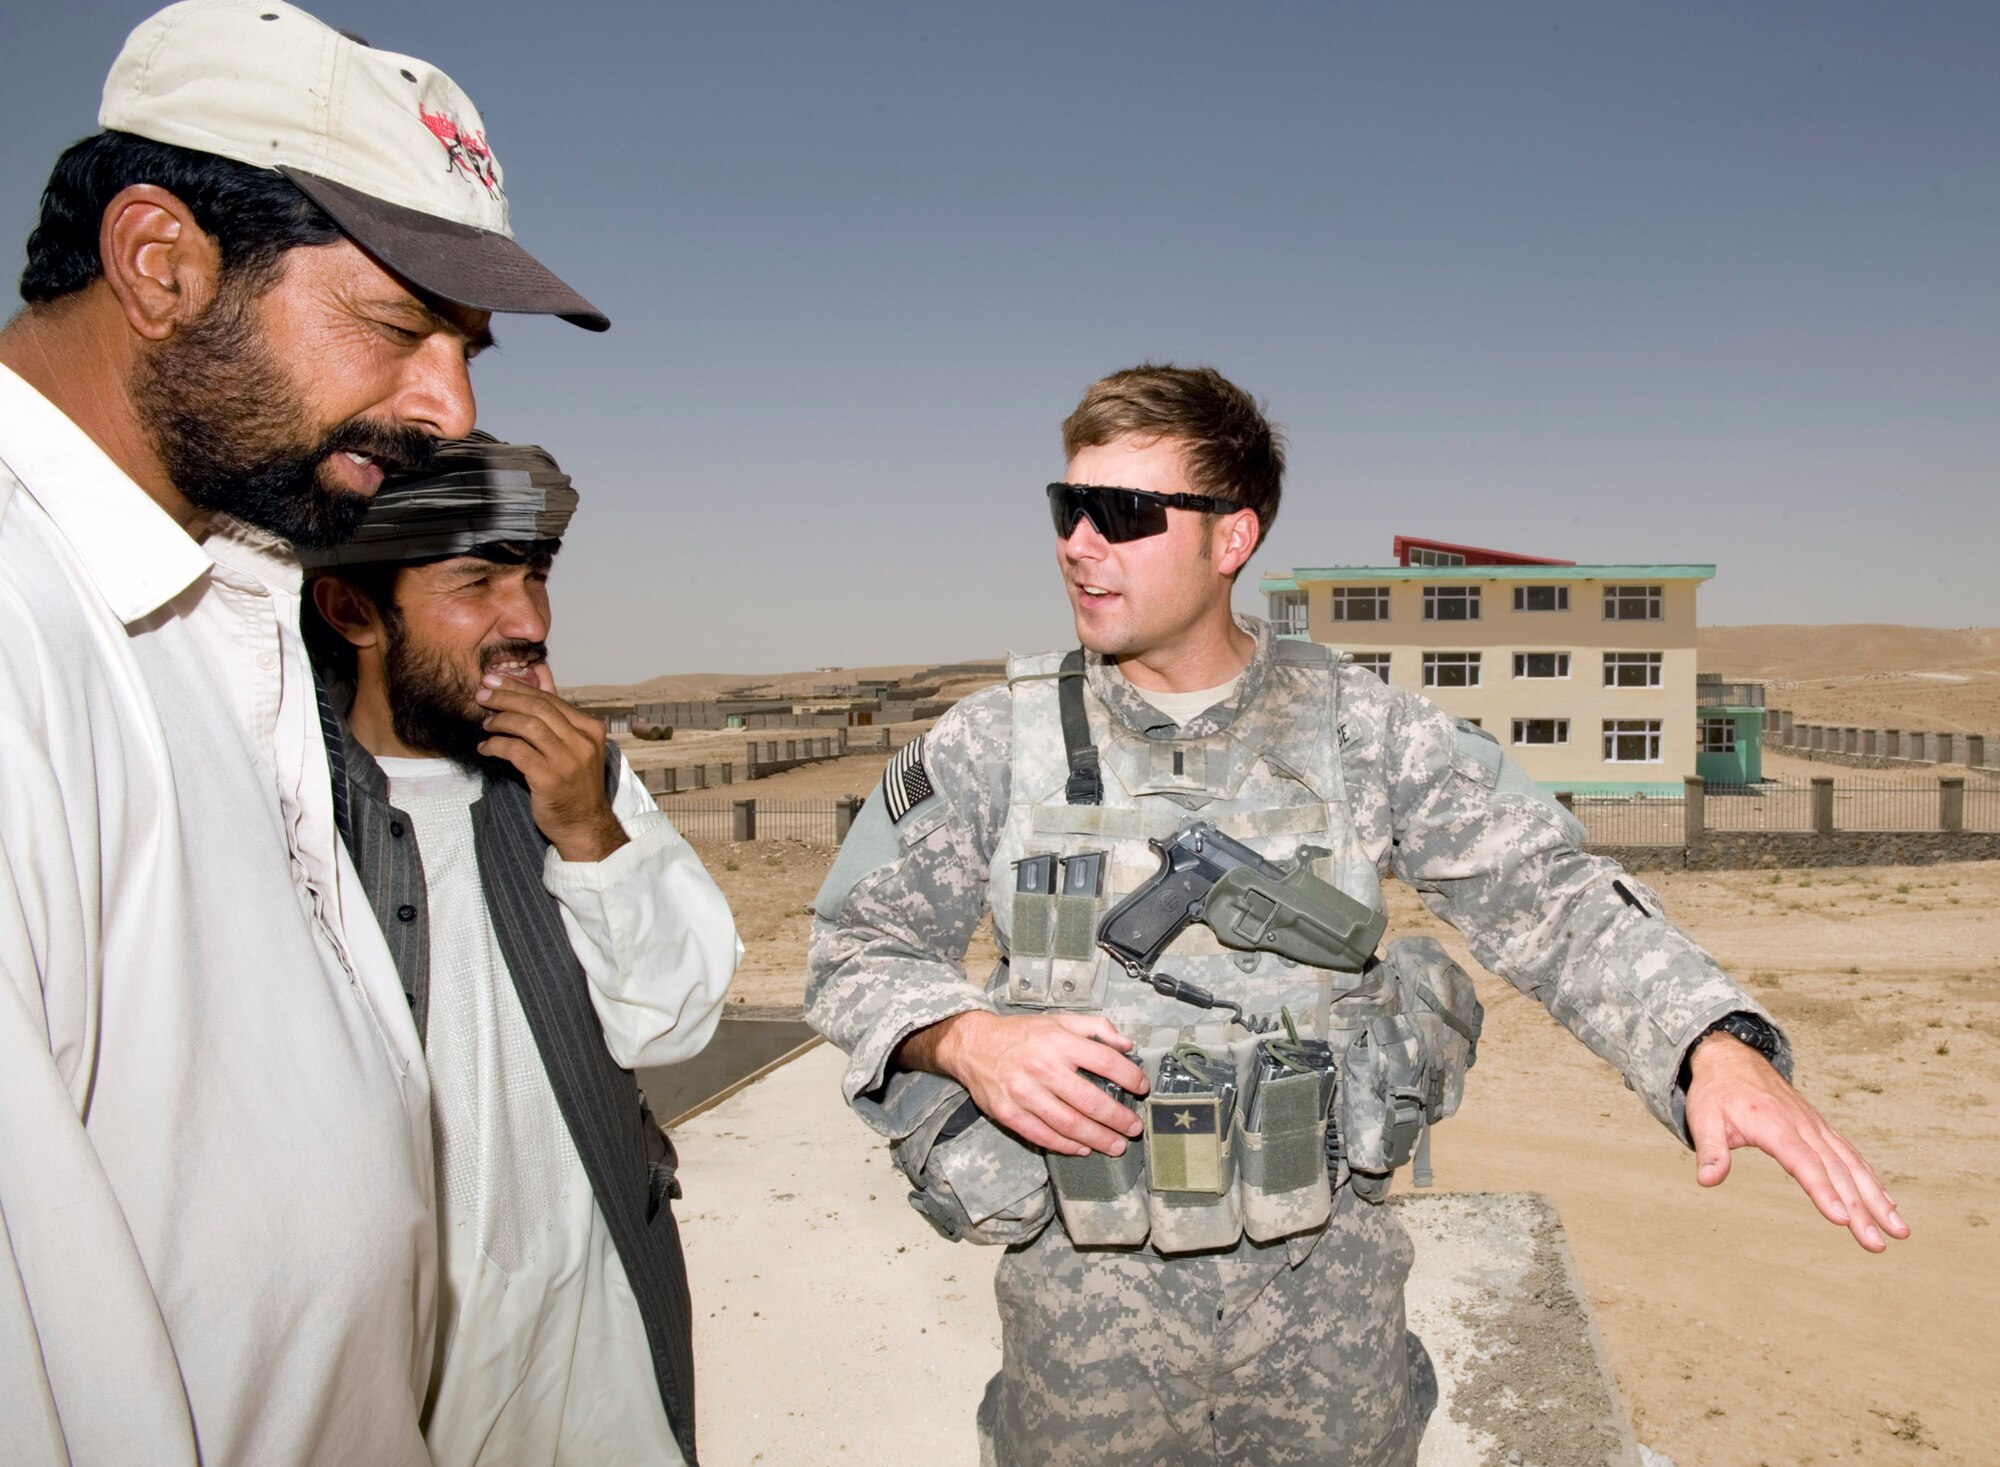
<point>1739,850</point>
<point>1876,748</point>
<point>1644,858</point>
<point>1773,745</point>
<point>1751,850</point>
<point>762,758</point>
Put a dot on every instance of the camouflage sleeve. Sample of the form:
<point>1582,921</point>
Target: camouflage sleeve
<point>891,924</point>
<point>1500,861</point>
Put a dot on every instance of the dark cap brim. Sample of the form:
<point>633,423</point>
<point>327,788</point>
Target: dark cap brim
<point>472,267</point>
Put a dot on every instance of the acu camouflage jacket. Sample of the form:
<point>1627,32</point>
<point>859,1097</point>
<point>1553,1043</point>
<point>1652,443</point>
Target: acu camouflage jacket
<point>1433,803</point>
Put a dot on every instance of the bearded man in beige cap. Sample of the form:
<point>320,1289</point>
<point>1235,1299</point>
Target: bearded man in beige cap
<point>251,294</point>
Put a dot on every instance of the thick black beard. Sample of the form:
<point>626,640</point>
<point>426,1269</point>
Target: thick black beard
<point>233,435</point>
<point>428,700</point>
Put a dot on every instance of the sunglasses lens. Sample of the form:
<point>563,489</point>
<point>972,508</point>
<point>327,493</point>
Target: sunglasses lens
<point>1116,514</point>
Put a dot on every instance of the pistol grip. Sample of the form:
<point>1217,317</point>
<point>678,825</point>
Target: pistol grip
<point>1139,928</point>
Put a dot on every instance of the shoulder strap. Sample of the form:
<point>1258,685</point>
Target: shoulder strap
<point>1086,782</point>
<point>1293,652</point>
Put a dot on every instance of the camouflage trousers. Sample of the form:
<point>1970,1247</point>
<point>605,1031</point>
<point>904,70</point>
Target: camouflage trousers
<point>1247,1358</point>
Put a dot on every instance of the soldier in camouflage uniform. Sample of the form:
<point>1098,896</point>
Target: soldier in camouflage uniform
<point>1137,1329</point>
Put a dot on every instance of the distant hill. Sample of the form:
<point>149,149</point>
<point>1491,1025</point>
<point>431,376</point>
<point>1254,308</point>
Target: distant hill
<point>1880,676</point>
<point>1873,675</point>
<point>670,687</point>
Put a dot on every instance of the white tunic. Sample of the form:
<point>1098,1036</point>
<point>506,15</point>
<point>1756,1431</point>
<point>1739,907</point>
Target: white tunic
<point>542,1354</point>
<point>215,1161</point>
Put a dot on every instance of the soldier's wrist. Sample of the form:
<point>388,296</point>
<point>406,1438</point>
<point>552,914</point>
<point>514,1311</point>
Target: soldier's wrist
<point>1745,1035</point>
<point>958,1037</point>
<point>936,1049</point>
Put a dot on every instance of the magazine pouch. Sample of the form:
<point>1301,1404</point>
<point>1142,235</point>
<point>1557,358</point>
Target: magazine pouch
<point>1281,1139</point>
<point>1103,1198</point>
<point>1190,1114</point>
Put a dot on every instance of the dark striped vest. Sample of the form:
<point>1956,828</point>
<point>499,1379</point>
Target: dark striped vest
<point>626,1155</point>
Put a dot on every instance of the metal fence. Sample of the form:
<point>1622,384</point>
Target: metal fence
<point>1758,807</point>
<point>711,822</point>
<point>1885,806</point>
<point>1857,805</point>
<point>1612,820</point>
<point>1632,820</point>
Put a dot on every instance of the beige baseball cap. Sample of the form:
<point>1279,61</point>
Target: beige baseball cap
<point>387,145</point>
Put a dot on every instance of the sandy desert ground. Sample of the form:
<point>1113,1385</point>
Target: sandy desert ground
<point>1744,1330</point>
<point>1874,676</point>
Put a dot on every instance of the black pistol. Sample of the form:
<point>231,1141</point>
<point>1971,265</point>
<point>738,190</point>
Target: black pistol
<point>1251,904</point>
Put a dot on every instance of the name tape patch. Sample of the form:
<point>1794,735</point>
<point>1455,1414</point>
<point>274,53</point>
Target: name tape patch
<point>904,783</point>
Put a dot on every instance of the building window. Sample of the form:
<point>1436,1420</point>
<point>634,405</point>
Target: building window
<point>1360,603</point>
<point>1541,598</point>
<point>1451,669</point>
<point>1541,664</point>
<point>1718,736</point>
<point>1541,730</point>
<point>1631,741</point>
<point>1451,603</point>
<point>1421,556</point>
<point>1632,603</point>
<point>1631,669</point>
<point>1375,662</point>
<point>1288,613</point>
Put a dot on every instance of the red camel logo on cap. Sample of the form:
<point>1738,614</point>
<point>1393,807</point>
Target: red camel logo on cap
<point>465,149</point>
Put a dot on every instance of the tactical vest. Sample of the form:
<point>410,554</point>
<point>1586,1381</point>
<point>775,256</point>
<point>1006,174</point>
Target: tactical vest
<point>1272,779</point>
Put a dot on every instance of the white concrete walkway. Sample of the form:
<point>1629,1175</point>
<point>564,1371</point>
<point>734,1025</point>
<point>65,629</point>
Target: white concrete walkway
<point>833,1326</point>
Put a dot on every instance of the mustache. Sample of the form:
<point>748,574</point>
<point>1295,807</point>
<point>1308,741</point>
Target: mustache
<point>531,653</point>
<point>395,447</point>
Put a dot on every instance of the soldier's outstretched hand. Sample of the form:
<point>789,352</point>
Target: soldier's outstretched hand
<point>1735,1098</point>
<point>1021,1070</point>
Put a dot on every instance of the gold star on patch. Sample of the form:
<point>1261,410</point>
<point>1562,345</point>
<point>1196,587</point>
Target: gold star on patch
<point>1183,1120</point>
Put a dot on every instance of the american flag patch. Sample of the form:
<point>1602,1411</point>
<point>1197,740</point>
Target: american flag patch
<point>904,783</point>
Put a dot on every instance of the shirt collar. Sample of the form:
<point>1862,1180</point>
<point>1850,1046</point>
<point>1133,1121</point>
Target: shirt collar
<point>1123,702</point>
<point>134,553</point>
<point>253,553</point>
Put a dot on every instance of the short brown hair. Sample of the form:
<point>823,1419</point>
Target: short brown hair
<point>1232,450</point>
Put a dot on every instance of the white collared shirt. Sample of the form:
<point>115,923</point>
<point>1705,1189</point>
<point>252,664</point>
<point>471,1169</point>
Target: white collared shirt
<point>215,1164</point>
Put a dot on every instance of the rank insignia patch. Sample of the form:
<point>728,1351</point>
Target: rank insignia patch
<point>905,785</point>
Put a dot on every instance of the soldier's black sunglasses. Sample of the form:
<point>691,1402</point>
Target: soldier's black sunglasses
<point>1123,514</point>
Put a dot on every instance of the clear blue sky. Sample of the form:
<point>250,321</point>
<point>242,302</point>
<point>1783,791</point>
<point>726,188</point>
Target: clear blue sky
<point>1614,282</point>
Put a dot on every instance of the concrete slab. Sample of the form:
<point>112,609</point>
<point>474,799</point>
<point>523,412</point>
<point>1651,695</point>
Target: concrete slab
<point>740,1050</point>
<point>1494,1295</point>
<point>832,1325</point>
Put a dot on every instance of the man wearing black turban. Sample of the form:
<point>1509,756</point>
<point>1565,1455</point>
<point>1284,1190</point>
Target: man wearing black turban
<point>553,932</point>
